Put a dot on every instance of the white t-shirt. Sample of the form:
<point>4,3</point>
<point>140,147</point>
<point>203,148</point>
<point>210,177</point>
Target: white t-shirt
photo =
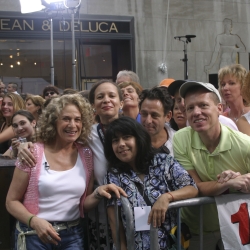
<point>60,192</point>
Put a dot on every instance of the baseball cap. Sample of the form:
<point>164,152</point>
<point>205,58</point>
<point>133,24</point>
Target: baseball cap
<point>166,82</point>
<point>175,85</point>
<point>187,85</point>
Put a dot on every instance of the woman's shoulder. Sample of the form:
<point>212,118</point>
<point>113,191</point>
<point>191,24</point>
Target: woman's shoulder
<point>162,158</point>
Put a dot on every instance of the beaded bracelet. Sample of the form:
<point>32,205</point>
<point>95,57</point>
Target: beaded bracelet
<point>29,220</point>
<point>97,195</point>
<point>171,196</point>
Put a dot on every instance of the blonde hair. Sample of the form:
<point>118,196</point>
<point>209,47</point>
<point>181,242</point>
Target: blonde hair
<point>235,70</point>
<point>47,121</point>
<point>17,102</point>
<point>245,91</point>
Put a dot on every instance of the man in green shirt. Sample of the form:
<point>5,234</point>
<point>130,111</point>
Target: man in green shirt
<point>215,156</point>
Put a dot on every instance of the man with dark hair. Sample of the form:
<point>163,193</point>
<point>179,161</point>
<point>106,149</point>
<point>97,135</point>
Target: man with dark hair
<point>155,109</point>
<point>12,87</point>
<point>216,156</point>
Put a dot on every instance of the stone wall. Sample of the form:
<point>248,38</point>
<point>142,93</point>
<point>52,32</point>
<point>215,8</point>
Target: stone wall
<point>199,17</point>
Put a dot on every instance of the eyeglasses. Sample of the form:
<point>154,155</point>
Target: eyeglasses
<point>49,93</point>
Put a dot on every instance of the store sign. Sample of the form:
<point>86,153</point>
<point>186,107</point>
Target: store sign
<point>43,25</point>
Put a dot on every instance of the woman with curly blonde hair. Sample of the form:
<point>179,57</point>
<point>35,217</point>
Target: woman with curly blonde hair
<point>34,104</point>
<point>231,79</point>
<point>49,198</point>
<point>10,104</point>
<point>244,121</point>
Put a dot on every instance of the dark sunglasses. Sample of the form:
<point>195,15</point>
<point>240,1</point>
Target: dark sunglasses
<point>49,93</point>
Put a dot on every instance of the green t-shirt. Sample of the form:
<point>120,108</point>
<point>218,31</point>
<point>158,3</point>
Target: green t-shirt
<point>232,152</point>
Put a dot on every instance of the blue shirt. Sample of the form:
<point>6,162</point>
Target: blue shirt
<point>165,175</point>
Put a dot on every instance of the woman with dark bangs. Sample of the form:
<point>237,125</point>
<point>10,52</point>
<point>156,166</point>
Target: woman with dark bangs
<point>149,179</point>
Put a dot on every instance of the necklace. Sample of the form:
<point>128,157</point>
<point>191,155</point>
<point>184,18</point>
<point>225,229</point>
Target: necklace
<point>237,118</point>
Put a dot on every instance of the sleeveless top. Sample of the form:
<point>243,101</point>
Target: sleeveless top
<point>247,116</point>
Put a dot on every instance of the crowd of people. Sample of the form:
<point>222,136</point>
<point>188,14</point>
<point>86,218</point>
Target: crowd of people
<point>178,140</point>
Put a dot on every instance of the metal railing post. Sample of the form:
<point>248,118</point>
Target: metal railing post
<point>178,229</point>
<point>201,227</point>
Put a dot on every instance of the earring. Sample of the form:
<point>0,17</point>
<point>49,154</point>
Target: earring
<point>94,110</point>
<point>120,110</point>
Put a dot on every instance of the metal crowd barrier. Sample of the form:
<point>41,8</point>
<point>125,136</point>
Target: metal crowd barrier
<point>153,231</point>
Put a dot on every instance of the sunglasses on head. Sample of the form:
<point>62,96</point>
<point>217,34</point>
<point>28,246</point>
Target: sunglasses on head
<point>49,93</point>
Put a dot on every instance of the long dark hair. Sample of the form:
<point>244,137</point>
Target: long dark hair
<point>145,153</point>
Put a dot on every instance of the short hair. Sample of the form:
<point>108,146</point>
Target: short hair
<point>128,126</point>
<point>50,88</point>
<point>245,91</point>
<point>236,70</point>
<point>157,93</point>
<point>138,88</point>
<point>97,84</point>
<point>47,121</point>
<point>132,75</point>
<point>69,91</point>
<point>37,100</point>
<point>13,85</point>
<point>195,89</point>
<point>25,113</point>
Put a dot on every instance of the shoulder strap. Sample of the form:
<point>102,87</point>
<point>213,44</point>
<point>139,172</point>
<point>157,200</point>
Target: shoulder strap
<point>145,197</point>
<point>100,133</point>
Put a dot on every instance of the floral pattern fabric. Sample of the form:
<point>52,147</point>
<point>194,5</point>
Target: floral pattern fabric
<point>165,175</point>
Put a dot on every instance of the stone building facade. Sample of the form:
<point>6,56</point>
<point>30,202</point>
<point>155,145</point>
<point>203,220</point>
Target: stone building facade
<point>203,18</point>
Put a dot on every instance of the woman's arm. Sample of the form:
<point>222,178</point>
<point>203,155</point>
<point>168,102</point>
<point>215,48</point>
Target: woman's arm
<point>7,134</point>
<point>243,125</point>
<point>14,206</point>
<point>159,209</point>
<point>111,217</point>
<point>93,198</point>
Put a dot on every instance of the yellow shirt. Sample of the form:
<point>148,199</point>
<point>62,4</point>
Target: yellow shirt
<point>232,152</point>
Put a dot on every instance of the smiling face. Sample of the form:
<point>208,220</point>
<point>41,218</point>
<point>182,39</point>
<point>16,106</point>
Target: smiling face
<point>230,88</point>
<point>202,112</point>
<point>125,149</point>
<point>179,117</point>
<point>69,124</point>
<point>152,116</point>
<point>130,97</point>
<point>107,102</point>
<point>31,107</point>
<point>7,107</point>
<point>22,127</point>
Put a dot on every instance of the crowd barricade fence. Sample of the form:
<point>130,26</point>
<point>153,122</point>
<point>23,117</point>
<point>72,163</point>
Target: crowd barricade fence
<point>199,201</point>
